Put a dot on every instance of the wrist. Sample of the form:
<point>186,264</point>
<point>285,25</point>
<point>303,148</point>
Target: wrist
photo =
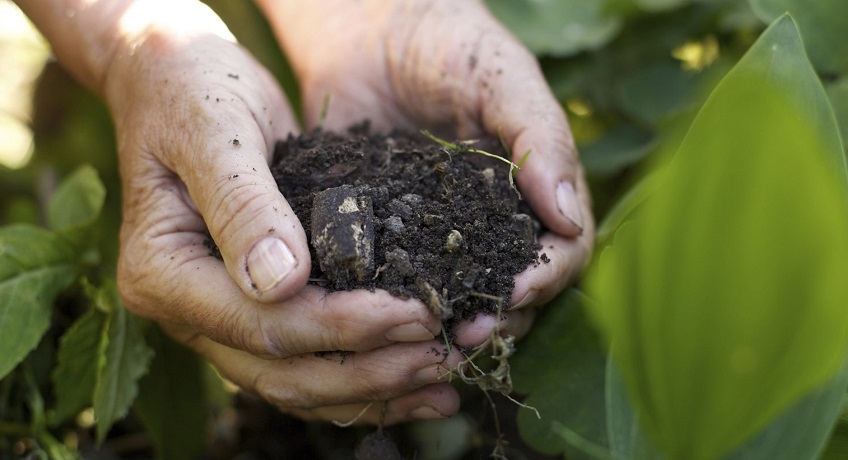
<point>87,35</point>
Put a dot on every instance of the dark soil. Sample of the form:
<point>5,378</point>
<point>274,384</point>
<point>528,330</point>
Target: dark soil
<point>402,213</point>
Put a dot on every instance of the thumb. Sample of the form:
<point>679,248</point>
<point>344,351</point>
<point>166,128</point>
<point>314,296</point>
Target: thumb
<point>260,239</point>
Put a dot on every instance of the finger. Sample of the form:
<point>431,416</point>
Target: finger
<point>566,259</point>
<point>310,381</point>
<point>224,115</point>
<point>518,102</point>
<point>475,332</point>
<point>432,402</point>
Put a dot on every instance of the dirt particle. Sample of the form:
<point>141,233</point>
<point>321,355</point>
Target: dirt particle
<point>236,143</point>
<point>233,75</point>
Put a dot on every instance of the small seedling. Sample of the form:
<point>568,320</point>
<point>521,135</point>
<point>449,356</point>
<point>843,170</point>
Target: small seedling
<point>325,107</point>
<point>461,147</point>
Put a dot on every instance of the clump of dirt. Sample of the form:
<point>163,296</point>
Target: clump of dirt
<point>403,213</point>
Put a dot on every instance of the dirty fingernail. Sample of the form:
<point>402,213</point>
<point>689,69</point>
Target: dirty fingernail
<point>269,262</point>
<point>426,413</point>
<point>568,205</point>
<point>409,332</point>
<point>528,298</point>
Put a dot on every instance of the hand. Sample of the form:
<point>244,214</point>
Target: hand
<point>450,67</point>
<point>196,120</point>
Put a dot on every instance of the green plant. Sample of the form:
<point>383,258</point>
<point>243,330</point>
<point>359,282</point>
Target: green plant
<point>726,320</point>
<point>716,165</point>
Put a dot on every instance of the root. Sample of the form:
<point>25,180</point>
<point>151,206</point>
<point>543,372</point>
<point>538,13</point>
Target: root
<point>355,419</point>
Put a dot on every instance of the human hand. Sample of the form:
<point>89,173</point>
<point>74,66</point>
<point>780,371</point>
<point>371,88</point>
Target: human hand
<point>450,67</point>
<point>196,120</point>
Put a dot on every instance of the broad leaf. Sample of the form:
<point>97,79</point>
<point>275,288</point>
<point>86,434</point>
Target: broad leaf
<point>731,276</point>
<point>557,27</point>
<point>623,146</point>
<point>823,24</point>
<point>75,374</point>
<point>173,409</point>
<point>659,90</point>
<point>800,432</point>
<point>125,359</point>
<point>560,366</point>
<point>35,267</point>
<point>838,94</point>
<point>77,201</point>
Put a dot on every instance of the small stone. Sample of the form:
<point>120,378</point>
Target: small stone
<point>343,233</point>
<point>395,224</point>
<point>431,220</point>
<point>399,259</point>
<point>453,241</point>
<point>411,199</point>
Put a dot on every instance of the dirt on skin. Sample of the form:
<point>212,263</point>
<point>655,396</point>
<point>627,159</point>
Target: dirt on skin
<point>403,213</point>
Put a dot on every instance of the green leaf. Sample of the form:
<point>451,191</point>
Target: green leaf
<point>660,5</point>
<point>731,276</point>
<point>622,146</point>
<point>77,201</point>
<point>823,24</point>
<point>560,366</point>
<point>75,374</point>
<point>658,90</point>
<point>838,94</point>
<point>35,267</point>
<point>557,27</point>
<point>798,433</point>
<point>625,208</point>
<point>173,409</point>
<point>125,359</point>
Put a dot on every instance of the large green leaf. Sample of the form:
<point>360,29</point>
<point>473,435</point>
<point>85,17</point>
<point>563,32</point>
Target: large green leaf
<point>557,27</point>
<point>35,267</point>
<point>77,201</point>
<point>838,93</point>
<point>823,24</point>
<point>173,409</point>
<point>124,359</point>
<point>724,298</point>
<point>560,366</point>
<point>800,432</point>
<point>75,374</point>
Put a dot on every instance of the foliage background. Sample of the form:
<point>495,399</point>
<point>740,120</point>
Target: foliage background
<point>631,75</point>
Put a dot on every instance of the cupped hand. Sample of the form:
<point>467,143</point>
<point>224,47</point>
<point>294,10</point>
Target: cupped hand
<point>451,67</point>
<point>196,120</point>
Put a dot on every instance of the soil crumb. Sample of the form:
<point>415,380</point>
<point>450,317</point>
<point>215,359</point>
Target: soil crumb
<point>402,213</point>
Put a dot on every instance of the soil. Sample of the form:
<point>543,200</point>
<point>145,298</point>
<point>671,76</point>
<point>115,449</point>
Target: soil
<point>403,213</point>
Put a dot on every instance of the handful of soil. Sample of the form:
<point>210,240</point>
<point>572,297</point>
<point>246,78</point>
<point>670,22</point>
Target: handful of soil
<point>403,213</point>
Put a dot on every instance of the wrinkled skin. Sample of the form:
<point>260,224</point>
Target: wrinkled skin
<point>180,97</point>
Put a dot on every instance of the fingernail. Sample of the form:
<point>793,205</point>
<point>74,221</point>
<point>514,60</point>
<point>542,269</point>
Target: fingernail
<point>528,298</point>
<point>269,262</point>
<point>426,413</point>
<point>409,332</point>
<point>431,374</point>
<point>568,205</point>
